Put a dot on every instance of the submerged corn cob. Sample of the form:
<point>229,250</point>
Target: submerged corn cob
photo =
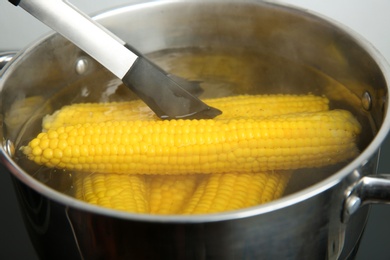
<point>200,146</point>
<point>189,194</point>
<point>230,191</point>
<point>243,106</point>
<point>169,194</point>
<point>121,192</point>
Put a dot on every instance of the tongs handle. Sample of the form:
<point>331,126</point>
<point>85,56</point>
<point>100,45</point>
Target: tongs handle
<point>160,92</point>
<point>91,37</point>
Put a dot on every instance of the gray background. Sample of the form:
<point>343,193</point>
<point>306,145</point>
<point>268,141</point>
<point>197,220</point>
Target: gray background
<point>370,19</point>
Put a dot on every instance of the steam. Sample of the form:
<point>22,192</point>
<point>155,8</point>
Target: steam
<point>112,87</point>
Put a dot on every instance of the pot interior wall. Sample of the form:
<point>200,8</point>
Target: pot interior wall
<point>231,47</point>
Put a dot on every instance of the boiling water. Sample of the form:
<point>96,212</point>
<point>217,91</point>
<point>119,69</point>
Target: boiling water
<point>219,73</point>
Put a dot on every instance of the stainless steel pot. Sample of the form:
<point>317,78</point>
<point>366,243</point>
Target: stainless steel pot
<point>284,50</point>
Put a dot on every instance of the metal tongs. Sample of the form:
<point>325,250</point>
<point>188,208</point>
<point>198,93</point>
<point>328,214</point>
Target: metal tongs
<point>161,93</point>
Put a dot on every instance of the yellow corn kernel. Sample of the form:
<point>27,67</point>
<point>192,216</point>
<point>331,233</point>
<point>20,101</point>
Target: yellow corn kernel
<point>98,112</point>
<point>201,146</point>
<point>250,106</point>
<point>120,192</point>
<point>232,191</point>
<point>243,106</point>
<point>186,194</point>
<point>169,194</point>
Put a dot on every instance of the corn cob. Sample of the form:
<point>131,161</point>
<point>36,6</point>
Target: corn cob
<point>189,194</point>
<point>169,194</point>
<point>200,146</point>
<point>252,106</point>
<point>121,192</point>
<point>231,191</point>
<point>243,106</point>
<point>98,112</point>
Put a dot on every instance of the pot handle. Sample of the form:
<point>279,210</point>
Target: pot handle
<point>5,57</point>
<point>371,189</point>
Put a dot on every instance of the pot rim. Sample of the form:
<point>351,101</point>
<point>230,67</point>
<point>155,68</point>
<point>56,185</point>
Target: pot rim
<point>280,203</point>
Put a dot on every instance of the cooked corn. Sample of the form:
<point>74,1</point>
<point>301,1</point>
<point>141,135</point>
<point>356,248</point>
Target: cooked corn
<point>244,151</point>
<point>187,194</point>
<point>121,192</point>
<point>200,146</point>
<point>231,191</point>
<point>243,106</point>
<point>169,194</point>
